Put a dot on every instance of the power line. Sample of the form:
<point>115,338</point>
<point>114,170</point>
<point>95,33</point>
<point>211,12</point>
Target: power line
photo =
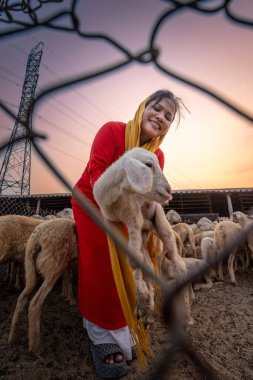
<point>3,127</point>
<point>77,92</point>
<point>56,126</point>
<point>57,75</point>
<point>66,154</point>
<point>183,175</point>
<point>10,104</point>
<point>9,80</point>
<point>62,112</point>
<point>11,73</point>
<point>53,106</point>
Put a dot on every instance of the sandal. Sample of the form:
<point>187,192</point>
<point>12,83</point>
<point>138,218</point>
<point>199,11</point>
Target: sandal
<point>105,370</point>
<point>134,355</point>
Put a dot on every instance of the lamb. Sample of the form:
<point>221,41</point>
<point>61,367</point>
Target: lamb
<point>223,233</point>
<point>205,224</point>
<point>14,233</point>
<point>173,217</point>
<point>198,238</point>
<point>65,213</point>
<point>50,250</point>
<point>204,280</point>
<point>186,234</point>
<point>131,191</point>
<point>244,220</point>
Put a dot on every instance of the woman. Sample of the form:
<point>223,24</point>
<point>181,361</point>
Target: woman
<point>99,302</point>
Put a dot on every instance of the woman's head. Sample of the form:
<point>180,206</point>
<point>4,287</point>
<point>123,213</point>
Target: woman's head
<point>160,110</point>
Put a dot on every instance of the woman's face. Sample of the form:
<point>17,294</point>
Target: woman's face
<point>156,119</point>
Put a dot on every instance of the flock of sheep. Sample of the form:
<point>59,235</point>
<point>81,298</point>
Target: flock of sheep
<point>132,191</point>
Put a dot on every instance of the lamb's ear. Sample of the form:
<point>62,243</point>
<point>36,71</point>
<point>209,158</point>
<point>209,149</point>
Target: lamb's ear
<point>139,176</point>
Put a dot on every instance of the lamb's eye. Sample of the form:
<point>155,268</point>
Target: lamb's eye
<point>149,164</point>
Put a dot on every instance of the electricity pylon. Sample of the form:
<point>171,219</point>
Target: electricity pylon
<point>16,167</point>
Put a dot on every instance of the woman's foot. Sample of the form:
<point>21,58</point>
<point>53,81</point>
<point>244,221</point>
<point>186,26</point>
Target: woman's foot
<point>114,358</point>
<point>108,361</point>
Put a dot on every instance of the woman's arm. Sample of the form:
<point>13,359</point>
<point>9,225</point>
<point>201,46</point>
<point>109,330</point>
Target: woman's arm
<point>103,150</point>
<point>160,155</point>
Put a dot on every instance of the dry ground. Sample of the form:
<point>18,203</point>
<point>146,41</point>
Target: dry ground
<point>222,334</point>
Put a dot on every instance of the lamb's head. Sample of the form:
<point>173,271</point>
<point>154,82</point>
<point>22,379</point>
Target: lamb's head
<point>144,176</point>
<point>239,217</point>
<point>173,217</point>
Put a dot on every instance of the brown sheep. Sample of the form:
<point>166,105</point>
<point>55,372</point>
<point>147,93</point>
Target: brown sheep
<point>15,230</point>
<point>50,250</point>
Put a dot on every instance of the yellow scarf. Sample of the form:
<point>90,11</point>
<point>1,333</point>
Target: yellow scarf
<point>122,271</point>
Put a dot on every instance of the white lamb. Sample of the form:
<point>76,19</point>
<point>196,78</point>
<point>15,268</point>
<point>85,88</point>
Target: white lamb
<point>131,191</point>
<point>65,213</point>
<point>224,232</point>
<point>173,217</point>
<point>50,250</point>
<point>244,221</point>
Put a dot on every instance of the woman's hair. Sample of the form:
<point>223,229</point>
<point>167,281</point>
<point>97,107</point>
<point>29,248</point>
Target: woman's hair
<point>157,96</point>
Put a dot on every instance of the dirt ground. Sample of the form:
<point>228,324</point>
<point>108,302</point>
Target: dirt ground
<point>222,334</point>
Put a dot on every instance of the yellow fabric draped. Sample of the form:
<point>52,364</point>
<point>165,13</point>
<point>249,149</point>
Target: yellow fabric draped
<point>133,131</point>
<point>122,271</point>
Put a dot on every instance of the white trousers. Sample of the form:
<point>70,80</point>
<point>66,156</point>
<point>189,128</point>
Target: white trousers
<point>121,337</point>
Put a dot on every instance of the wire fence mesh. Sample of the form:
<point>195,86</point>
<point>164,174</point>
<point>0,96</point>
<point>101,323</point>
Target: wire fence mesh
<point>10,12</point>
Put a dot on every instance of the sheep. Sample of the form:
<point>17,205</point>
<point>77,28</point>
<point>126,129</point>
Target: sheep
<point>198,238</point>
<point>14,233</point>
<point>50,250</point>
<point>193,264</point>
<point>65,213</point>
<point>169,271</point>
<point>244,220</point>
<point>205,224</point>
<point>36,216</point>
<point>173,217</point>
<point>186,235</point>
<point>49,217</point>
<point>131,191</point>
<point>194,228</point>
<point>223,233</point>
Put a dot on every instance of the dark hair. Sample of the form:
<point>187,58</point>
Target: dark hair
<point>161,94</point>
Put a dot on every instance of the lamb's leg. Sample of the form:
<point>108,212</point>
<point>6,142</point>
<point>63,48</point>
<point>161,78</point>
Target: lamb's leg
<point>67,289</point>
<point>35,312</point>
<point>165,232</point>
<point>18,276</point>
<point>192,245</point>
<point>220,271</point>
<point>231,261</point>
<point>21,302</point>
<point>135,245</point>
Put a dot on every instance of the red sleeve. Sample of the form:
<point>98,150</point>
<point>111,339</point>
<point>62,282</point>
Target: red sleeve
<point>160,155</point>
<point>103,151</point>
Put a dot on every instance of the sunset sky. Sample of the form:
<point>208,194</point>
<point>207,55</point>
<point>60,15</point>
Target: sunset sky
<point>212,148</point>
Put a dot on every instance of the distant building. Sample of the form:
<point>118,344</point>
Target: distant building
<point>190,204</point>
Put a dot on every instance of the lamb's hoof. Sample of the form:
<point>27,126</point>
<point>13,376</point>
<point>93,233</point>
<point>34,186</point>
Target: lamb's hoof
<point>12,339</point>
<point>142,300</point>
<point>188,326</point>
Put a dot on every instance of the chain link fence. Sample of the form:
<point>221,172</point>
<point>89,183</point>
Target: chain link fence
<point>9,11</point>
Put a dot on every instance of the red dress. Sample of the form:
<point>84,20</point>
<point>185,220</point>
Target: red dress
<point>97,294</point>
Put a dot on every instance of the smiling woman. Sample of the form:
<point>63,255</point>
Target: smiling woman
<point>158,115</point>
<point>98,297</point>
